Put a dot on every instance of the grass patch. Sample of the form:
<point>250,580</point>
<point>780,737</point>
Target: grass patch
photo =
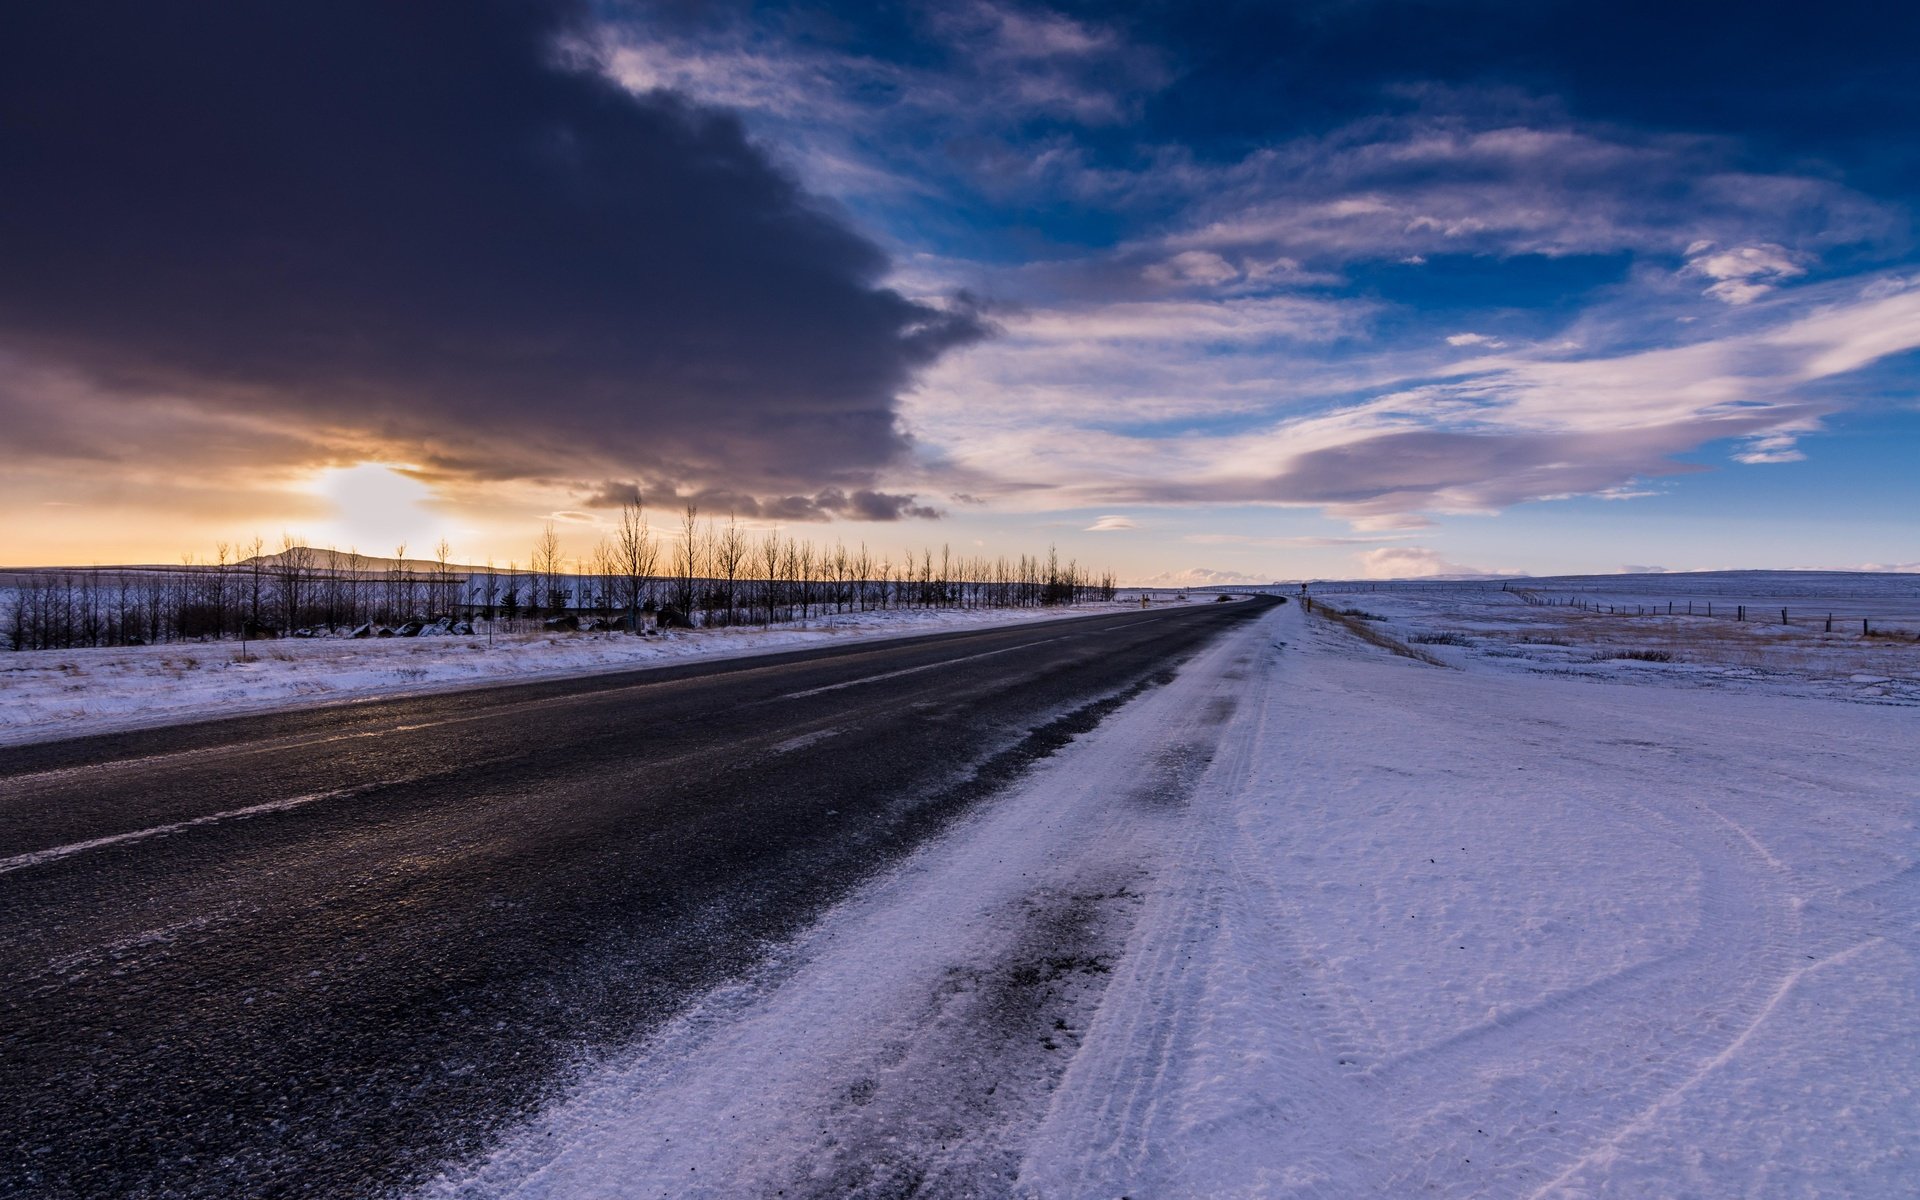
<point>1440,639</point>
<point>1642,655</point>
<point>1358,627</point>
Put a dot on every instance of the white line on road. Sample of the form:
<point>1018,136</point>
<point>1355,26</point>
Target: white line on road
<point>20,862</point>
<point>804,740</point>
<point>945,662</point>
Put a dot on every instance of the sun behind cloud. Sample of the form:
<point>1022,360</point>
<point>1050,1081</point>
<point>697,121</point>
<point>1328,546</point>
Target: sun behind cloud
<point>377,507</point>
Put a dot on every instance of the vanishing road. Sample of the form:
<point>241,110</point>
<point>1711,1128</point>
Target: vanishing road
<point>321,953</point>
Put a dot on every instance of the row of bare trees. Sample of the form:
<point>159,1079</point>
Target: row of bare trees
<point>722,574</point>
<point>705,573</point>
<point>241,590</point>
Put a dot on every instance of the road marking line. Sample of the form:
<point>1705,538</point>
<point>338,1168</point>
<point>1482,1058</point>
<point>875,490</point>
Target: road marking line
<point>804,740</point>
<point>148,760</point>
<point>21,862</point>
<point>934,666</point>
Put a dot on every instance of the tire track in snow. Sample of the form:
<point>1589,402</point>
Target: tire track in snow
<point>1335,1124</point>
<point>1109,1123</point>
<point>1646,1118</point>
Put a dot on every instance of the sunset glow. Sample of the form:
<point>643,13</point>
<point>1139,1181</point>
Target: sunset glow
<point>377,507</point>
<point>1267,292</point>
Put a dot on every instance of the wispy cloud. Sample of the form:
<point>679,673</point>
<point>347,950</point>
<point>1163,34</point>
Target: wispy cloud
<point>1439,183</point>
<point>1412,562</point>
<point>1202,577</point>
<point>1745,273</point>
<point>1301,541</point>
<point>1499,430</point>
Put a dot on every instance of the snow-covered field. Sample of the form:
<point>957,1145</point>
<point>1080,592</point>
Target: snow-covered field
<point>65,693</point>
<point>1317,920</point>
<point>1480,625</point>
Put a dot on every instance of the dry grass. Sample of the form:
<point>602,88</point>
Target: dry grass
<point>1679,648</point>
<point>1358,627</point>
<point>1712,641</point>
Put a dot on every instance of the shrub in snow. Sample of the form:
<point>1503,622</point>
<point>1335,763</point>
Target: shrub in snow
<point>672,618</point>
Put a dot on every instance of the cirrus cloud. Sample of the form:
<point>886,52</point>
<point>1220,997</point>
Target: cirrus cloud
<point>1413,562</point>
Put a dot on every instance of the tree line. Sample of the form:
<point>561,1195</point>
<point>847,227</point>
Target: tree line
<point>707,573</point>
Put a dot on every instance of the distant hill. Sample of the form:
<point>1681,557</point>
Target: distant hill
<point>367,562</point>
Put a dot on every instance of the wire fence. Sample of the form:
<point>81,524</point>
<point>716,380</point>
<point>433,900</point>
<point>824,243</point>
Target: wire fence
<point>1833,617</point>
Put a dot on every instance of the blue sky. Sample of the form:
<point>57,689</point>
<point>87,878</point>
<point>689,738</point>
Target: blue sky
<point>1241,291</point>
<point>1318,288</point>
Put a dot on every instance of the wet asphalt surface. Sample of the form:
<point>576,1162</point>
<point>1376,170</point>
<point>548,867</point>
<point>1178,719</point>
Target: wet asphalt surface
<point>337,997</point>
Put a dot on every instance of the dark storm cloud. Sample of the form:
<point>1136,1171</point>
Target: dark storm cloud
<point>613,494</point>
<point>436,224</point>
<point>824,505</point>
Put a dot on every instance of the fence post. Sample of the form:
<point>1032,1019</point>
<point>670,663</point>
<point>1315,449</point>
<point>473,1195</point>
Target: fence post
<point>1783,616</point>
<point>1865,629</point>
<point>1740,614</point>
<point>1829,622</point>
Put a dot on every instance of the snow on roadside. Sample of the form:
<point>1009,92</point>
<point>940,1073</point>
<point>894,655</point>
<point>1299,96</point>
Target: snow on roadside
<point>1464,933</point>
<point>1314,920</point>
<point>66,693</point>
<point>911,1039</point>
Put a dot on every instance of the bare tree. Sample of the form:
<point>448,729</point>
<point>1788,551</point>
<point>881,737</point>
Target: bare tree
<point>256,577</point>
<point>729,554</point>
<point>400,587</point>
<point>636,555</point>
<point>510,594</point>
<point>332,588</point>
<point>548,568</point>
<point>489,590</point>
<point>605,575</point>
<point>687,559</point>
<point>217,587</point>
<point>768,563</point>
<point>804,576</point>
<point>442,603</point>
<point>360,605</point>
<point>293,572</point>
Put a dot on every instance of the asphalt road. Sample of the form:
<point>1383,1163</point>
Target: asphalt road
<point>321,953</point>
